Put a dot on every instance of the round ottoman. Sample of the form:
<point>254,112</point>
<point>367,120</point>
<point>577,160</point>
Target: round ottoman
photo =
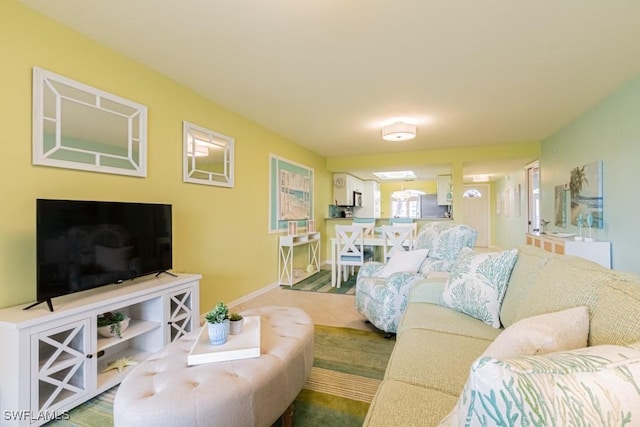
<point>164,390</point>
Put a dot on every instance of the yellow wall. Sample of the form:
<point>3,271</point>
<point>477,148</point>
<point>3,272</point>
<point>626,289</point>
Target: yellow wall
<point>218,232</point>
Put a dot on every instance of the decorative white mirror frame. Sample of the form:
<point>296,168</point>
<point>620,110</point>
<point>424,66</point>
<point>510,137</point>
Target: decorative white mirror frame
<point>76,126</point>
<point>207,156</point>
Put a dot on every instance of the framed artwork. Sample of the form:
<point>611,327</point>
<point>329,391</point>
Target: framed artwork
<point>506,202</point>
<point>517,203</point>
<point>585,186</point>
<point>290,195</point>
<point>560,211</point>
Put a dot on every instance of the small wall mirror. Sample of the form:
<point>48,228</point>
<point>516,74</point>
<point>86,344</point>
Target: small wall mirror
<point>80,127</point>
<point>207,156</point>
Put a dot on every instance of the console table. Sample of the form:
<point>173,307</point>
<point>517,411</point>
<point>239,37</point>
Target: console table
<point>596,250</point>
<point>286,273</point>
<point>51,362</point>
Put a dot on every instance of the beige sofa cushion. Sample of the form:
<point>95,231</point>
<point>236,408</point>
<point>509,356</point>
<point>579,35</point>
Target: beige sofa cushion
<point>437,318</point>
<point>531,261</point>
<point>400,404</point>
<point>616,319</point>
<point>434,360</point>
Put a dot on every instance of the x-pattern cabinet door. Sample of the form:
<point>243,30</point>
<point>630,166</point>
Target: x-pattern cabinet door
<point>181,318</point>
<point>62,366</point>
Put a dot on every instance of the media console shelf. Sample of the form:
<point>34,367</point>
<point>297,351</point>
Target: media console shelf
<point>51,362</point>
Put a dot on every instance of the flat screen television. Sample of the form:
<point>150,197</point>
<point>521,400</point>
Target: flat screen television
<point>86,244</point>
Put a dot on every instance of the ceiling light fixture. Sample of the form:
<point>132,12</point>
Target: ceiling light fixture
<point>399,131</point>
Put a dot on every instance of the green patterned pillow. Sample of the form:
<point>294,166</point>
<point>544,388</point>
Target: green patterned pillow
<point>477,283</point>
<point>590,386</point>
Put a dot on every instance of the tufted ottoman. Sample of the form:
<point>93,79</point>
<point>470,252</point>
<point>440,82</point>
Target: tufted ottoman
<point>164,391</point>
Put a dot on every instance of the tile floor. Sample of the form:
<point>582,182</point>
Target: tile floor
<point>324,309</point>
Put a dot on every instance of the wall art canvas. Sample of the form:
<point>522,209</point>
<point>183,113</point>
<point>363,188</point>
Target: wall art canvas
<point>291,194</point>
<point>560,211</point>
<point>585,186</point>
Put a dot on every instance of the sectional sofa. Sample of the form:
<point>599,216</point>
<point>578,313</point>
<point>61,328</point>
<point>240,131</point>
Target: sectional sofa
<point>564,348</point>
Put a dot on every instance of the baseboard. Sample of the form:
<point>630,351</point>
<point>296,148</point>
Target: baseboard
<point>245,298</point>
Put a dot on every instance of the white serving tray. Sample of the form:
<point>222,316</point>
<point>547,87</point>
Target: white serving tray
<point>241,346</point>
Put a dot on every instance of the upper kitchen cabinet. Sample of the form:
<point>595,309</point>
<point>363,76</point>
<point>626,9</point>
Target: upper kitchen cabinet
<point>344,187</point>
<point>444,190</point>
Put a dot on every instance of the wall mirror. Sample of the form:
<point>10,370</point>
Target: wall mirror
<point>80,127</point>
<point>207,156</point>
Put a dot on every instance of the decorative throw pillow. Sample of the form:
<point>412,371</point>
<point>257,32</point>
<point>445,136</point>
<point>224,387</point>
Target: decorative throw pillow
<point>542,334</point>
<point>590,386</point>
<point>404,261</point>
<point>477,283</point>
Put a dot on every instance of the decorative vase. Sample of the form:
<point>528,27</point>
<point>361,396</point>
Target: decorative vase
<point>218,332</point>
<point>235,326</point>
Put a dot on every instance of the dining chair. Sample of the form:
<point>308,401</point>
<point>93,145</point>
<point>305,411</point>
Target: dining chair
<point>406,221</point>
<point>396,238</point>
<point>368,229</point>
<point>350,242</point>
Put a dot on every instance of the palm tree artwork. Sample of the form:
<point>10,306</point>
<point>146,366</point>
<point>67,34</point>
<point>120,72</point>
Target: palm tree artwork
<point>585,186</point>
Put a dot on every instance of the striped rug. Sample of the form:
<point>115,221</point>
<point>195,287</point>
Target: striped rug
<point>321,282</point>
<point>348,366</point>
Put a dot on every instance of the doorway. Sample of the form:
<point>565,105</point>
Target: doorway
<point>476,211</point>
<point>533,190</point>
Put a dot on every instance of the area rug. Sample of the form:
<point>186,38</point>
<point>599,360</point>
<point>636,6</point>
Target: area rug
<point>347,368</point>
<point>321,282</point>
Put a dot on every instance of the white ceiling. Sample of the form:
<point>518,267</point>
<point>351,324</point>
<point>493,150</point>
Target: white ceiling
<point>328,73</point>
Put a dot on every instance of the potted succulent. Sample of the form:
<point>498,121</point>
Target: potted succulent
<point>218,324</point>
<point>112,323</point>
<point>235,323</point>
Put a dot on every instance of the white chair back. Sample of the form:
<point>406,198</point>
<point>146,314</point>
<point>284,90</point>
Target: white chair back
<point>397,238</point>
<point>406,222</point>
<point>367,227</point>
<point>350,247</point>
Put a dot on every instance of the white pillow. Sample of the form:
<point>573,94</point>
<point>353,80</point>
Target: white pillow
<point>477,283</point>
<point>546,333</point>
<point>589,386</point>
<point>409,261</point>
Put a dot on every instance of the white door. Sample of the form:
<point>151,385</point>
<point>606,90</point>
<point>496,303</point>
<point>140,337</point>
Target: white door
<point>476,211</point>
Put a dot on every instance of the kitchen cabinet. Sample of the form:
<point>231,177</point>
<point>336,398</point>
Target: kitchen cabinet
<point>344,186</point>
<point>370,201</point>
<point>444,190</point>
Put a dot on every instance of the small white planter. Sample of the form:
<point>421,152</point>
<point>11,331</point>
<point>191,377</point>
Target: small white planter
<point>235,326</point>
<point>218,332</point>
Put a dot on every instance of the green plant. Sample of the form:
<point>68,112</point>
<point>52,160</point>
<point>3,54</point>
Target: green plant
<point>235,317</point>
<point>112,319</point>
<point>218,314</point>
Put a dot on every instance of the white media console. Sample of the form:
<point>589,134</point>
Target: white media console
<point>51,362</point>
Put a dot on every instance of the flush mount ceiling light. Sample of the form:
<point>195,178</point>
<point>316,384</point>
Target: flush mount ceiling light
<point>399,131</point>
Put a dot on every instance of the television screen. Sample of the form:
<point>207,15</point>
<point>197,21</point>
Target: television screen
<point>86,244</point>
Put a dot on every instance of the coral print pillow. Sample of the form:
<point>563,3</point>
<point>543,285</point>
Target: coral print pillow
<point>477,284</point>
<point>591,386</point>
